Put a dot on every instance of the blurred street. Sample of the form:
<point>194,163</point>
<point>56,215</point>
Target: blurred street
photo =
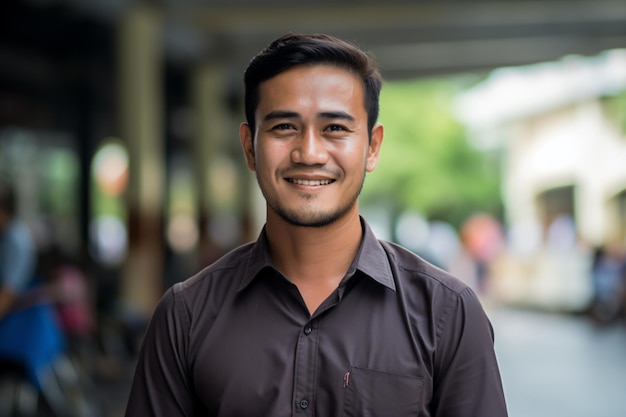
<point>560,365</point>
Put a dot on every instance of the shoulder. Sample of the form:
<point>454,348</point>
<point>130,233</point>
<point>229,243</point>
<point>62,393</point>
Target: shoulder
<point>216,280</point>
<point>411,269</point>
<point>208,290</point>
<point>451,303</point>
<point>190,307</point>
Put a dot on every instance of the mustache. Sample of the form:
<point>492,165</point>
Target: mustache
<point>300,169</point>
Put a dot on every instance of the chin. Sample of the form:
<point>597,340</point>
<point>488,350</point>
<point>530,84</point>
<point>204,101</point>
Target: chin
<point>311,219</point>
<point>314,223</point>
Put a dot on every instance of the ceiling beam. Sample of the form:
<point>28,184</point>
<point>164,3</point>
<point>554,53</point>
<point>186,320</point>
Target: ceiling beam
<point>418,38</point>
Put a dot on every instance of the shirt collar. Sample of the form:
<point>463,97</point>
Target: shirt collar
<point>371,259</point>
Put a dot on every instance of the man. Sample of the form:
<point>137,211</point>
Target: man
<point>17,253</point>
<point>317,317</point>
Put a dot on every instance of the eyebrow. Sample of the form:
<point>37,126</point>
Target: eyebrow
<point>280,114</point>
<point>336,115</point>
<point>286,114</point>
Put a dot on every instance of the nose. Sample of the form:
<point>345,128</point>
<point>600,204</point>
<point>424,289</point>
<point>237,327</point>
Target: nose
<point>309,149</point>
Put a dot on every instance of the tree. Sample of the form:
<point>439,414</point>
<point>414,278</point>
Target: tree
<point>427,164</point>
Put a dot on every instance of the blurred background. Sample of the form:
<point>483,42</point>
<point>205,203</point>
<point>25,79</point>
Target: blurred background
<point>504,162</point>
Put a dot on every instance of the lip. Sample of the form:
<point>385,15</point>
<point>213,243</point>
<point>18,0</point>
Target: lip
<point>310,182</point>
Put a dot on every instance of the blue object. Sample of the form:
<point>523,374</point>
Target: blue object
<point>32,338</point>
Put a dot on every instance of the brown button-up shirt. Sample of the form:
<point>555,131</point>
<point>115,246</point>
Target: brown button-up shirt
<point>397,338</point>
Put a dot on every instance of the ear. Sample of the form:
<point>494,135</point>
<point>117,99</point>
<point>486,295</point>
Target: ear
<point>374,147</point>
<point>247,143</point>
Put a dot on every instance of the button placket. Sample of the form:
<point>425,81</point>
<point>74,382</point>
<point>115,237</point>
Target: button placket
<point>305,369</point>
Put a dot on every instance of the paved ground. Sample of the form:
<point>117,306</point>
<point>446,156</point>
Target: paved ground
<point>560,365</point>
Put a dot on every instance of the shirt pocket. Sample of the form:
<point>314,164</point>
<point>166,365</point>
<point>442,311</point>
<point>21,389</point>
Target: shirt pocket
<point>374,393</point>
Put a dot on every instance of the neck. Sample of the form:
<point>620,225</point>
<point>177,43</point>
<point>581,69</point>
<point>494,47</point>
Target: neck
<point>314,254</point>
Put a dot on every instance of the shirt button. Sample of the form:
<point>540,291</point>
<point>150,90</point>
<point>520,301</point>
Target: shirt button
<point>308,330</point>
<point>304,404</point>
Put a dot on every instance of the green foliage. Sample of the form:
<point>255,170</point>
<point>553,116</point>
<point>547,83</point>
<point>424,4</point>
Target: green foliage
<point>427,164</point>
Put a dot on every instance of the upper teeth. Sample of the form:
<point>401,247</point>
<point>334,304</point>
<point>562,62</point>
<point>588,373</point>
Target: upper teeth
<point>310,182</point>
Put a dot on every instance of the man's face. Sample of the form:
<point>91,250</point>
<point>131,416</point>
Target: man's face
<point>311,147</point>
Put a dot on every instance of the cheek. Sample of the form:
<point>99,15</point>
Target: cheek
<point>268,159</point>
<point>354,156</point>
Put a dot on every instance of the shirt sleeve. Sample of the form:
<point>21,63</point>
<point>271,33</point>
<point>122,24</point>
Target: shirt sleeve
<point>467,380</point>
<point>161,386</point>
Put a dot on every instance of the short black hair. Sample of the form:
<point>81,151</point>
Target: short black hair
<point>295,49</point>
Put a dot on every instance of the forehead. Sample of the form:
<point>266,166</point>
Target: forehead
<point>318,85</point>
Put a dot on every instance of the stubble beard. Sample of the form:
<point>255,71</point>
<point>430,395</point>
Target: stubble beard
<point>307,218</point>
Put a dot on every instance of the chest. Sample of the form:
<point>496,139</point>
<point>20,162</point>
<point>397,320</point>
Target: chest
<point>266,356</point>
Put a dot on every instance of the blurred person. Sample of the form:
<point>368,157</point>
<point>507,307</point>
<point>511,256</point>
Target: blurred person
<point>561,235</point>
<point>483,239</point>
<point>318,316</point>
<point>30,338</point>
<point>608,274</point>
<point>17,253</point>
<point>65,285</point>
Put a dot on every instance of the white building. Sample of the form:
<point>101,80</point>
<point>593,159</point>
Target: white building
<point>562,136</point>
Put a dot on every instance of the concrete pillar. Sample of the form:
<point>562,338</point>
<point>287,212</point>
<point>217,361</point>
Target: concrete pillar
<point>208,146</point>
<point>141,120</point>
<point>222,178</point>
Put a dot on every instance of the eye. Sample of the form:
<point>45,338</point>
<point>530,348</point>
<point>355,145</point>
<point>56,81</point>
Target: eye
<point>282,126</point>
<point>335,128</point>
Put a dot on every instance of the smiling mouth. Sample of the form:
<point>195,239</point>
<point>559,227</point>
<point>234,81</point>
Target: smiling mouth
<point>309,183</point>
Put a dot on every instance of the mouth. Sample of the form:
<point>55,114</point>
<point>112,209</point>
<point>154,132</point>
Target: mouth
<point>309,183</point>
